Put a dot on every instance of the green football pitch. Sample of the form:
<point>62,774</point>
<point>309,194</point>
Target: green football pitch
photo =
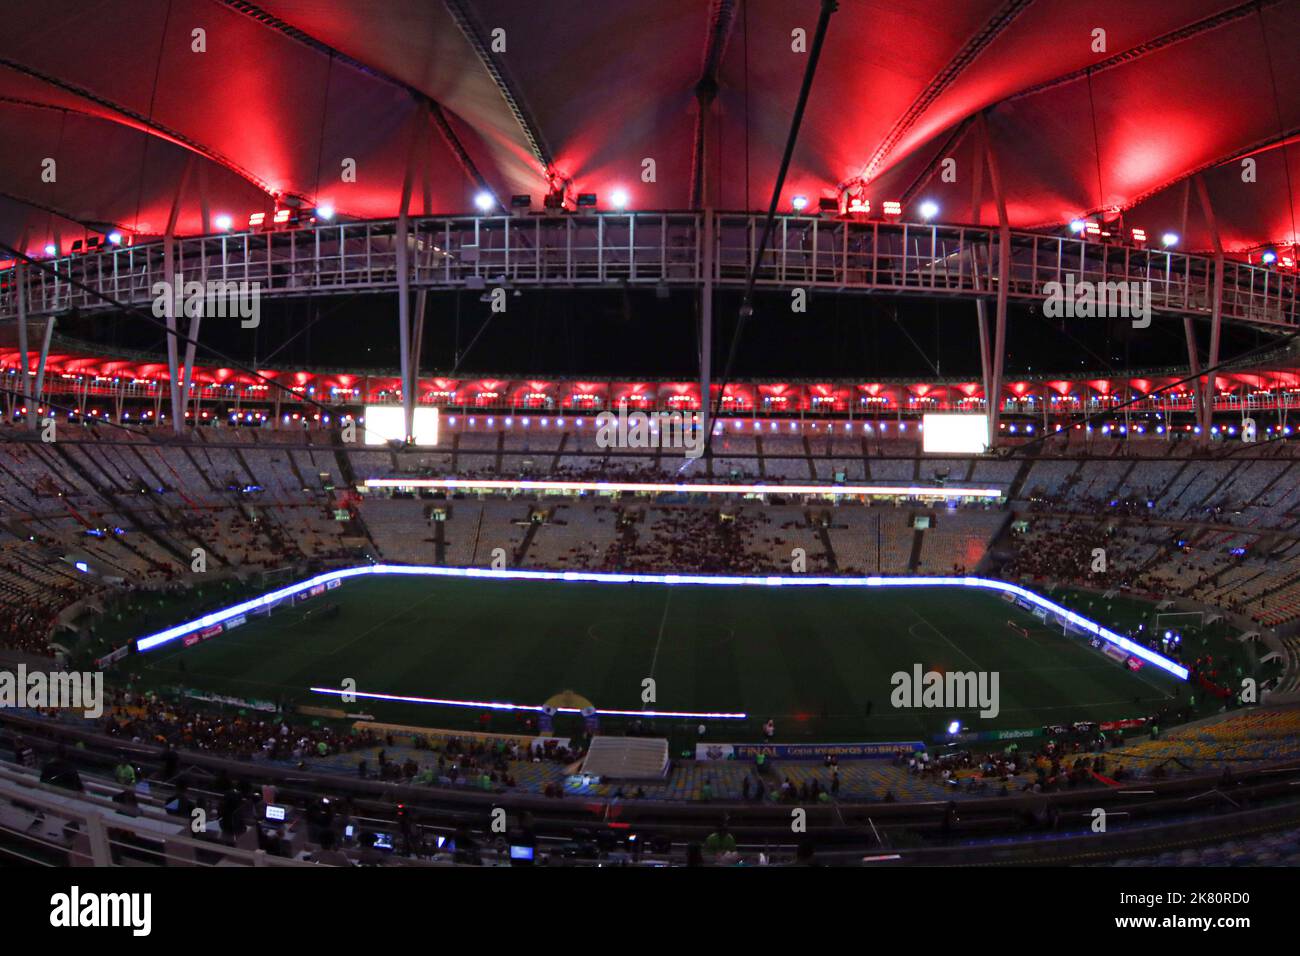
<point>816,660</point>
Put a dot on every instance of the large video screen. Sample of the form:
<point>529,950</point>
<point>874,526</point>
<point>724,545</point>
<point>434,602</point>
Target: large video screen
<point>384,424</point>
<point>955,434</point>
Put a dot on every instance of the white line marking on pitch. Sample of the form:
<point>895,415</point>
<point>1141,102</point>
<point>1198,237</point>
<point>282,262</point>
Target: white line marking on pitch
<point>663,622</point>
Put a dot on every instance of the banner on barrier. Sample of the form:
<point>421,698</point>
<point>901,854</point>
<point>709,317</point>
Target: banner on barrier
<point>852,751</point>
<point>112,657</point>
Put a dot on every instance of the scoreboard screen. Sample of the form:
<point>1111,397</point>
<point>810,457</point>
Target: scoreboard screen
<point>384,423</point>
<point>955,434</point>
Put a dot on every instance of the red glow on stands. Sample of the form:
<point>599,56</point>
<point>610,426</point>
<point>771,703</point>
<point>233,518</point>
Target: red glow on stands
<point>522,394</point>
<point>633,394</point>
<point>680,395</point>
<point>131,380</point>
<point>737,397</point>
<point>586,395</point>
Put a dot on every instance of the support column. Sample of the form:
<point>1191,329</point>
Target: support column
<point>986,368</point>
<point>173,372</point>
<point>706,323</point>
<point>404,326</point>
<point>417,342</point>
<point>190,347</point>
<point>173,295</point>
<point>1004,281</point>
<point>1216,311</point>
<point>1194,368</point>
<point>404,292</point>
<point>45,354</point>
<point>1211,360</point>
<point>20,275</point>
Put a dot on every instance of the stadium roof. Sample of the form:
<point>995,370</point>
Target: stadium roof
<point>287,90</point>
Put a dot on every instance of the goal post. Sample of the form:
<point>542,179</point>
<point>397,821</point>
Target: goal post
<point>277,577</point>
<point>1179,620</point>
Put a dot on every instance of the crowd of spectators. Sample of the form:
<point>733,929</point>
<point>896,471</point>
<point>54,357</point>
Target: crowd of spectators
<point>149,718</point>
<point>703,540</point>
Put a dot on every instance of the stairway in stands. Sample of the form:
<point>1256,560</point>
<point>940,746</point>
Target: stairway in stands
<point>824,536</point>
<point>914,561</point>
<point>349,476</point>
<point>522,551</point>
<point>1018,482</point>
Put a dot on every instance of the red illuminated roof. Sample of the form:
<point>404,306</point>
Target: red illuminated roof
<point>360,388</point>
<point>289,92</point>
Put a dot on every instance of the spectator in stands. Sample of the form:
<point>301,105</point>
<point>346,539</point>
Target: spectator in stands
<point>721,845</point>
<point>124,772</point>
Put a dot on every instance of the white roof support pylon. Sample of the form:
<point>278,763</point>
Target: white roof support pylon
<point>1216,313</point>
<point>993,388</point>
<point>169,277</point>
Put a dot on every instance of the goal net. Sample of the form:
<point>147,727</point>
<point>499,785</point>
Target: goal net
<point>277,577</point>
<point>1179,621</point>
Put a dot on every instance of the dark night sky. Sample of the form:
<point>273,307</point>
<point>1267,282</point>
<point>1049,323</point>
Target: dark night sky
<point>604,333</point>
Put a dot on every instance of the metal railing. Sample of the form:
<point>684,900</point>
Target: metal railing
<point>653,249</point>
<point>45,826</point>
